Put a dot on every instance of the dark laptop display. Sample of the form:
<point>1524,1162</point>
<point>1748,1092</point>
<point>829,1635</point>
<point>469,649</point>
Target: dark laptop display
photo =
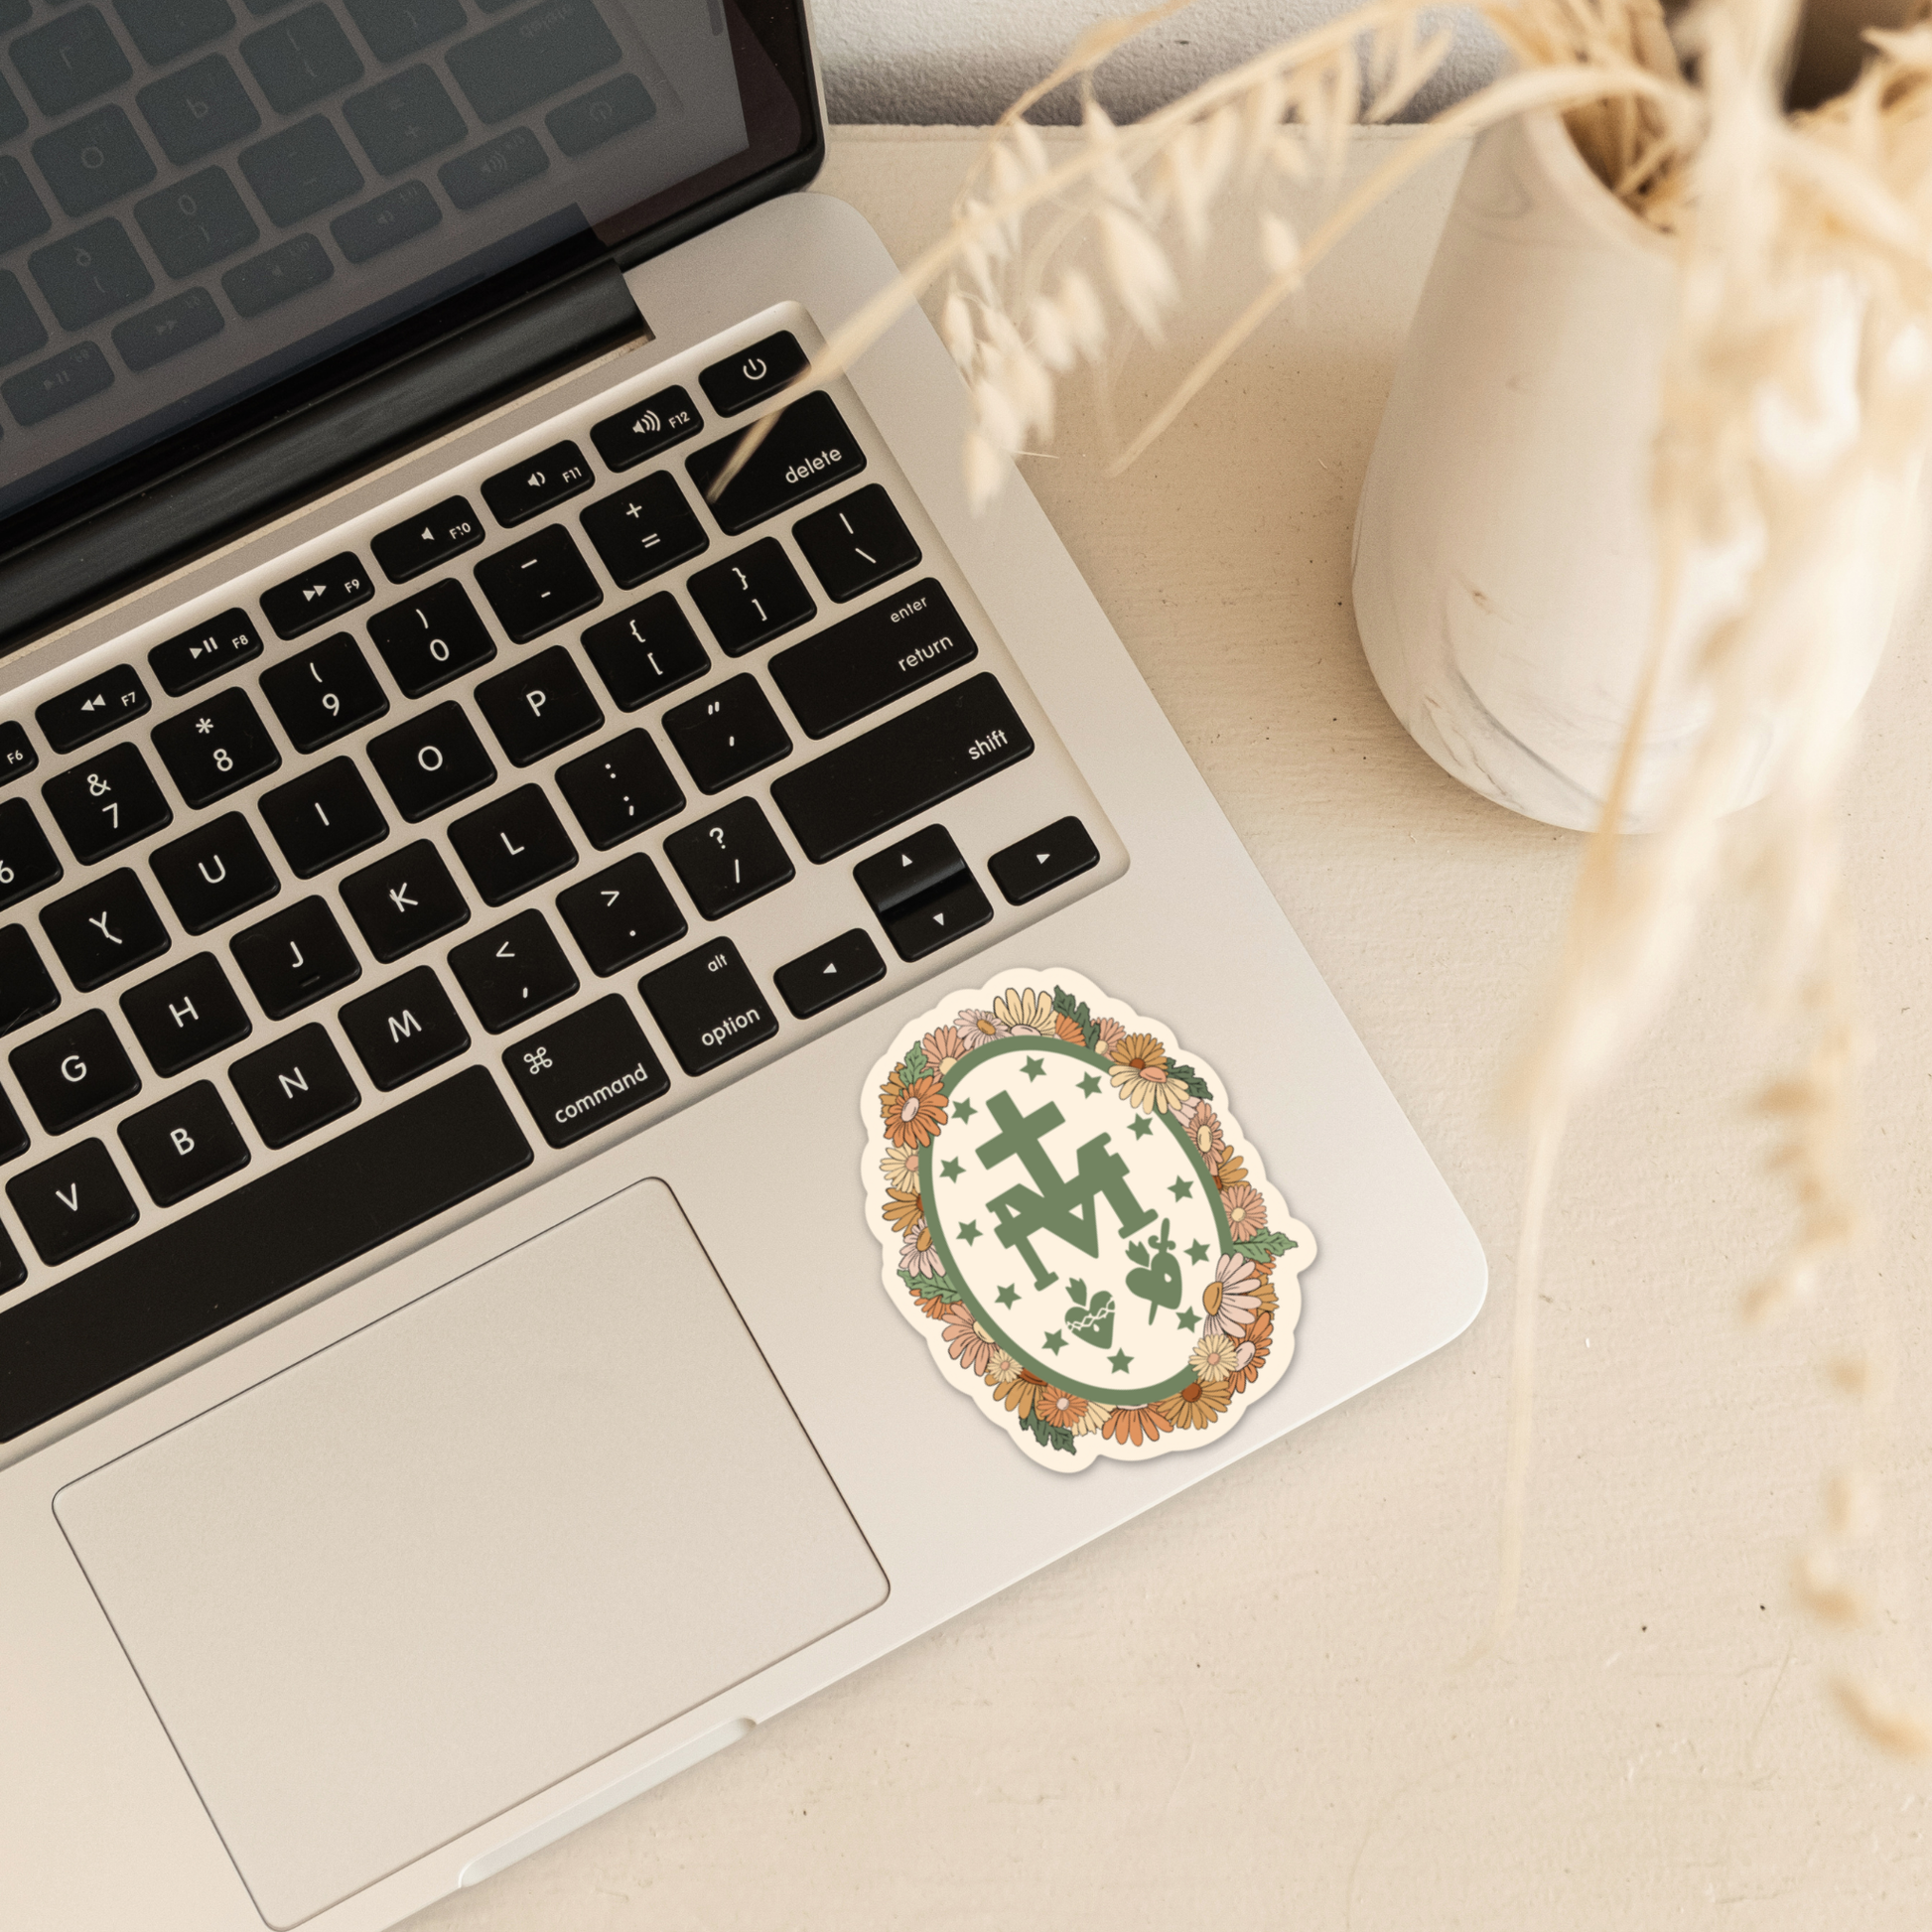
<point>201,200</point>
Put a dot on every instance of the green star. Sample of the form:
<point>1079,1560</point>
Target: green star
<point>950,1169</point>
<point>1197,1251</point>
<point>1181,1190</point>
<point>1007,1296</point>
<point>1090,1085</point>
<point>1143,1127</point>
<point>969,1232</point>
<point>1119,1359</point>
<point>1187,1318</point>
<point>1032,1069</point>
<point>1056,1341</point>
<point>964,1111</point>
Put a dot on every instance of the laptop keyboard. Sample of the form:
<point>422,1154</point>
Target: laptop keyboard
<point>352,893</point>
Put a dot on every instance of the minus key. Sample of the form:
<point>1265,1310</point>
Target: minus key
<point>827,974</point>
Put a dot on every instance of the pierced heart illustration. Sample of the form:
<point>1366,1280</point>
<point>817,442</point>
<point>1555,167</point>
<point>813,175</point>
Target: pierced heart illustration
<point>1158,1280</point>
<point>1095,1321</point>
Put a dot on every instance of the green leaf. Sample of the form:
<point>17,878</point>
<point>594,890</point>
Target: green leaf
<point>1198,1088</point>
<point>928,1286</point>
<point>1264,1247</point>
<point>1138,1253</point>
<point>1076,1011</point>
<point>914,1065</point>
<point>1061,1438</point>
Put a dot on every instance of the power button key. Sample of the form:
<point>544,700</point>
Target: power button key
<point>750,374</point>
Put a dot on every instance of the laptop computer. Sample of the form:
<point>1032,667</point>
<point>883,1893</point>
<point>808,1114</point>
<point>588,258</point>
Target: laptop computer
<point>446,1385</point>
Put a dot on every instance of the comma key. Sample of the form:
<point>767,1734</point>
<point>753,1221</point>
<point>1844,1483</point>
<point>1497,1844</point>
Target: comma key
<point>585,1070</point>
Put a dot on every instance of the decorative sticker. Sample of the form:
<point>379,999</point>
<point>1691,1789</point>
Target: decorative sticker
<point>1071,1218</point>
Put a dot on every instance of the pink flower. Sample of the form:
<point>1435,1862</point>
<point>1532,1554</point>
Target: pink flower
<point>966,1342</point>
<point>1110,1031</point>
<point>918,1256</point>
<point>1228,1301</point>
<point>1246,1211</point>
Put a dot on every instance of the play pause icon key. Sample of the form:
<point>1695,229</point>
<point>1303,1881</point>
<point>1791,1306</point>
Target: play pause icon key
<point>829,973</point>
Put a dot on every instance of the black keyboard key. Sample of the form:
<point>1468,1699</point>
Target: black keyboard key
<point>404,119</point>
<point>340,584</point>
<point>645,651</point>
<point>300,59</point>
<point>93,161</point>
<point>277,275</point>
<point>908,870</point>
<point>727,733</point>
<point>939,919</point>
<point>184,1143</point>
<point>512,844</point>
<point>728,859</point>
<point>169,328</point>
<point>90,273</point>
<point>246,1250</point>
<point>1062,851</point>
<point>856,544</point>
<point>514,971</point>
<point>26,989</point>
<point>27,861</point>
<point>708,1007</point>
<point>21,329</point>
<point>539,707</point>
<point>431,762</point>
<point>106,803</point>
<point>751,598</point>
<point>12,1271</point>
<point>433,636</point>
<point>386,222</point>
<point>215,873</point>
<point>601,115</point>
<point>829,973</point>
<point>402,1030</point>
<point>16,754</point>
<point>872,658</point>
<point>442,531</point>
<point>186,1013</point>
<point>83,712</point>
<point>76,1071</point>
<point>583,1071</point>
<point>538,584</point>
<point>323,817</point>
<point>71,1203</point>
<point>295,1085</point>
<point>754,373</point>
<point>107,928</point>
<point>633,436</point>
<point>620,914</point>
<point>194,224</point>
<point>900,769</point>
<point>21,217</point>
<point>323,692</point>
<point>13,1135</point>
<point>809,449</point>
<point>215,749</point>
<point>506,162</point>
<point>619,789</point>
<point>644,529</point>
<point>295,957</point>
<point>13,116</point>
<point>165,30</point>
<point>301,170</point>
<point>61,382</point>
<point>530,487</point>
<point>541,51</point>
<point>193,658</point>
<point>404,901</point>
<point>394,31</point>
<point>73,58</point>
<point>198,109</point>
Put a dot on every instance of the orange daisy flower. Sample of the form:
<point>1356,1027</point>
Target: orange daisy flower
<point>903,1211</point>
<point>945,1048</point>
<point>935,1307</point>
<point>1201,1404</point>
<point>1070,1411</point>
<point>1136,1426</point>
<point>912,1114</point>
<point>1068,1028</point>
<point>1023,1393</point>
<point>1260,1339</point>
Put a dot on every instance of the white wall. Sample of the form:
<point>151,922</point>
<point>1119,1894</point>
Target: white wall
<point>963,61</point>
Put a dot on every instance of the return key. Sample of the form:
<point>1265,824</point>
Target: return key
<point>873,659</point>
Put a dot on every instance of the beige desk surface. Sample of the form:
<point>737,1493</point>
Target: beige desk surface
<point>1251,1707</point>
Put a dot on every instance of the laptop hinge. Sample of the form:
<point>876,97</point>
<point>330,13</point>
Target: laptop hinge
<point>91,558</point>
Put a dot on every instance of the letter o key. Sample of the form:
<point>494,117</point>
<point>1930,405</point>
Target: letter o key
<point>430,757</point>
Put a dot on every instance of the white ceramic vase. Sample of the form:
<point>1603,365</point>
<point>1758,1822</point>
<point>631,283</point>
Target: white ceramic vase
<point>1503,561</point>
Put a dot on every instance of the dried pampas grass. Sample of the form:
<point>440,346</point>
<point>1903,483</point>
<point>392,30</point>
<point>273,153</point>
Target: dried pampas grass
<point>1797,408</point>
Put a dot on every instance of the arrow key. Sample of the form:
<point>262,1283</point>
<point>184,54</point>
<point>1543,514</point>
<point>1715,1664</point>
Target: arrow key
<point>1049,858</point>
<point>939,920</point>
<point>829,973</point>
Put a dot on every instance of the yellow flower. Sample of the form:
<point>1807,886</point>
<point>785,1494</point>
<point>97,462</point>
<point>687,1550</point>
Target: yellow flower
<point>1021,1394</point>
<point>901,1167</point>
<point>903,1209</point>
<point>1025,1011</point>
<point>1001,1368</point>
<point>1140,1075</point>
<point>1201,1404</point>
<point>1217,1356</point>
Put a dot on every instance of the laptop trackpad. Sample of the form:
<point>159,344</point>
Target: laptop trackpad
<point>467,1551</point>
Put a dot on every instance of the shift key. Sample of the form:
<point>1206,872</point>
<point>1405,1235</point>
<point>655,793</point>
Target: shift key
<point>903,768</point>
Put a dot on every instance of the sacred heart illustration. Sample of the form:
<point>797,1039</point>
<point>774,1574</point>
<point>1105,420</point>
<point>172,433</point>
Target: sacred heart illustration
<point>1095,1321</point>
<point>1157,1282</point>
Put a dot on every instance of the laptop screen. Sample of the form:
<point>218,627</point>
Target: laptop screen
<point>198,198</point>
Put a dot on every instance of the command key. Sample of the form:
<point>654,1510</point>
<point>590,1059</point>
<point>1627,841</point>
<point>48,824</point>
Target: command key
<point>586,1070</point>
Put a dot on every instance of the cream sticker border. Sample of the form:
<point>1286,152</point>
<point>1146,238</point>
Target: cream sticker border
<point>1071,1216</point>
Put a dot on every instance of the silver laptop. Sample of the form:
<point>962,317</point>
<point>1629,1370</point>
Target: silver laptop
<point>446,1382</point>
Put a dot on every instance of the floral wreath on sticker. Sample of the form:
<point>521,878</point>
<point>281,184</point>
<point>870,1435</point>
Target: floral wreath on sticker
<point>1235,1325</point>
